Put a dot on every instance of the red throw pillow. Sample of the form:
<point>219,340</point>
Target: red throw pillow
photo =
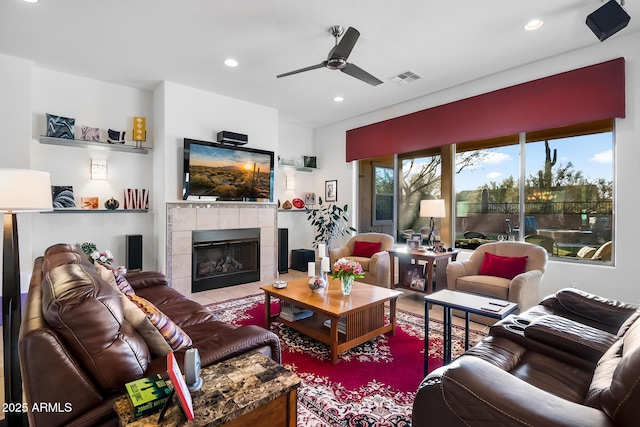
<point>502,266</point>
<point>365,249</point>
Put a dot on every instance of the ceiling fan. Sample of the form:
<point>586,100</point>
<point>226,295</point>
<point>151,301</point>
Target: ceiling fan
<point>337,58</point>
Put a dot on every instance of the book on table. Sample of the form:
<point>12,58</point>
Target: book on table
<point>342,325</point>
<point>292,312</point>
<point>147,395</point>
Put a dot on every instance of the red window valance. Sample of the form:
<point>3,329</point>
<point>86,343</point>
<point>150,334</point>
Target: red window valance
<point>587,94</point>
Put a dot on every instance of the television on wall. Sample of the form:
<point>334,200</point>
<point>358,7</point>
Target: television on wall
<point>226,172</point>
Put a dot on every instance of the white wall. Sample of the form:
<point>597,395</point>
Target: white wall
<point>105,106</point>
<point>614,282</point>
<point>192,113</point>
<point>15,111</point>
<point>294,142</point>
<point>15,122</point>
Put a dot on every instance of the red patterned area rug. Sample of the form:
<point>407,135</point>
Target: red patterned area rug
<point>373,384</point>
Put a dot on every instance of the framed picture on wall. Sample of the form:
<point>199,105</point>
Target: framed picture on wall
<point>331,190</point>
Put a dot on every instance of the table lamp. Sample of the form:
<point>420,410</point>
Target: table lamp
<point>21,190</point>
<point>433,209</point>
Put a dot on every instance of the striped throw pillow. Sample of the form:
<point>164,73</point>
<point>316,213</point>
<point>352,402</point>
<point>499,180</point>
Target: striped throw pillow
<point>122,283</point>
<point>172,333</point>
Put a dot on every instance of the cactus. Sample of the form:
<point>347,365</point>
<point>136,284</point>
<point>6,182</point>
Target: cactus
<point>546,176</point>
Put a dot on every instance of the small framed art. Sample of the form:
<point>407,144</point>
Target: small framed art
<point>331,190</point>
<point>417,283</point>
<point>309,199</point>
<point>413,244</point>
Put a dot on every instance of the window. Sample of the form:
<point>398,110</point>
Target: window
<point>382,195</point>
<point>420,179</point>
<point>566,187</point>
<point>487,191</point>
<point>569,195</point>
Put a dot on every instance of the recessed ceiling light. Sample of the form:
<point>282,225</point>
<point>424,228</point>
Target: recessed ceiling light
<point>230,62</point>
<point>31,1</point>
<point>534,24</point>
<point>338,99</point>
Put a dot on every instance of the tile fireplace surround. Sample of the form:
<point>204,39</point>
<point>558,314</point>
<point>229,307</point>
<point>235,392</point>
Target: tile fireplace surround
<point>185,217</point>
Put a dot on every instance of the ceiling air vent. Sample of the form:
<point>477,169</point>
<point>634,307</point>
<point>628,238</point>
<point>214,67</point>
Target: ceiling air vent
<point>406,77</point>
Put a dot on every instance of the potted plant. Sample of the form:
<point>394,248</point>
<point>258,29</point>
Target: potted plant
<point>329,221</point>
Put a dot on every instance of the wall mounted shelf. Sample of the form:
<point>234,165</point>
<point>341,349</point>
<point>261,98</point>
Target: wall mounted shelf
<point>91,144</point>
<point>72,210</point>
<point>298,168</point>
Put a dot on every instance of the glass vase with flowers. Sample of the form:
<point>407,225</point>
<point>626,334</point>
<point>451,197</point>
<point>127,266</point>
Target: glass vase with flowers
<point>347,271</point>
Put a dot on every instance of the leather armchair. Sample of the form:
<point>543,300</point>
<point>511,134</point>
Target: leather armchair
<point>376,268</point>
<point>523,289</point>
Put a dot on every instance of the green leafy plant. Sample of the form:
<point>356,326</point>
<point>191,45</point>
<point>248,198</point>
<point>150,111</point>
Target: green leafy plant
<point>87,247</point>
<point>329,221</point>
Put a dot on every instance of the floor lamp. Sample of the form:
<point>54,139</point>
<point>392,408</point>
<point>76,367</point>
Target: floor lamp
<point>21,190</point>
<point>433,209</point>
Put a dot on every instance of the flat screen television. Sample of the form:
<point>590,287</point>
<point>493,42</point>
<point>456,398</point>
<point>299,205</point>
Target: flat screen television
<point>226,172</point>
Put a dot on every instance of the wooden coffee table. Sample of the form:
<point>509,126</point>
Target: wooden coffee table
<point>362,311</point>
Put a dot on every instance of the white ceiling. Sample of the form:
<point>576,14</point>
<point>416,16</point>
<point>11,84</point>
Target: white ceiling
<point>140,43</point>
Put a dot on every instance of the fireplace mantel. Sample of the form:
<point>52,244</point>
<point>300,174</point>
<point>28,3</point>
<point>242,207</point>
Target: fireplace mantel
<point>185,217</point>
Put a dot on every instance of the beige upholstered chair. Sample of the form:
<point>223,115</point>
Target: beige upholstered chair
<point>376,267</point>
<point>523,289</point>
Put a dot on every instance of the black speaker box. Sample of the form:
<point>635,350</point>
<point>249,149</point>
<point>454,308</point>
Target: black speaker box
<point>608,20</point>
<point>232,138</point>
<point>134,251</point>
<point>283,250</point>
<point>301,257</point>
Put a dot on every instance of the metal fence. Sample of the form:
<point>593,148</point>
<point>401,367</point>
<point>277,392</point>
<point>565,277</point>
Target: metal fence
<point>604,207</point>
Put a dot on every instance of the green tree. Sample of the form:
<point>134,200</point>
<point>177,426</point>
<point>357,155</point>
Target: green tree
<point>420,180</point>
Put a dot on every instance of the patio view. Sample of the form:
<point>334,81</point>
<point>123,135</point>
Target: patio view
<point>556,192</point>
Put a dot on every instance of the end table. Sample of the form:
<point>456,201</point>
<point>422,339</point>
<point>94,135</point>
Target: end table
<point>247,390</point>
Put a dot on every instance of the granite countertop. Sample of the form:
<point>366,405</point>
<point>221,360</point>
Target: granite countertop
<point>230,389</point>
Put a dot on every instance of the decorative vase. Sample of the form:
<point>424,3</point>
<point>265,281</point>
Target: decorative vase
<point>346,283</point>
<point>111,204</point>
<point>316,284</point>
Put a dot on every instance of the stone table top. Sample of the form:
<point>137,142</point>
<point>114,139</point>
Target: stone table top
<point>230,389</point>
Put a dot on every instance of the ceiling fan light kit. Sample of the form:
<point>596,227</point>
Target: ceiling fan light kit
<point>338,55</point>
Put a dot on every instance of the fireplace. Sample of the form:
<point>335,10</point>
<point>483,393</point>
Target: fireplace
<point>225,258</point>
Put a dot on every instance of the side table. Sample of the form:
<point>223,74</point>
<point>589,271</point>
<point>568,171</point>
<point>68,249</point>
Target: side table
<point>247,390</point>
<point>470,304</point>
<point>440,259</point>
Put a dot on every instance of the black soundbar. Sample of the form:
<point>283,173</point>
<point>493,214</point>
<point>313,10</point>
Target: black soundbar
<point>232,138</point>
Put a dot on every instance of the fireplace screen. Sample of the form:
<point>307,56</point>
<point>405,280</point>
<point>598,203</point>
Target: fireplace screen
<point>225,258</point>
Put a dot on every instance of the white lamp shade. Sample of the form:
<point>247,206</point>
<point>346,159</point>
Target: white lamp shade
<point>432,208</point>
<point>25,190</point>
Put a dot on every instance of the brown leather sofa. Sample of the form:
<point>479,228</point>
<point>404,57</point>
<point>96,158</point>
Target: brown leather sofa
<point>572,360</point>
<point>83,362</point>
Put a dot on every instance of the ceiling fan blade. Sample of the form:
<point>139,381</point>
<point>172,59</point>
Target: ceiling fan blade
<point>345,46</point>
<point>357,72</point>
<point>302,70</point>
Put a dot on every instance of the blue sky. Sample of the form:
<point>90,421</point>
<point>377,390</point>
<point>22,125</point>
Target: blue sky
<point>204,155</point>
<point>591,154</point>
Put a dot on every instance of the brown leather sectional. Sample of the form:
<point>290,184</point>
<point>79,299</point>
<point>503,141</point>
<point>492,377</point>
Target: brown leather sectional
<point>572,360</point>
<point>78,362</point>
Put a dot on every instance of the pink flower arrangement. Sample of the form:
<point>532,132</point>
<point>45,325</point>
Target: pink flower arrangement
<point>344,268</point>
<point>105,257</point>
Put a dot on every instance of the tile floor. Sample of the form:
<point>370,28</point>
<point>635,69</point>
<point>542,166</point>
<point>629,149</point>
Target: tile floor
<point>410,301</point>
